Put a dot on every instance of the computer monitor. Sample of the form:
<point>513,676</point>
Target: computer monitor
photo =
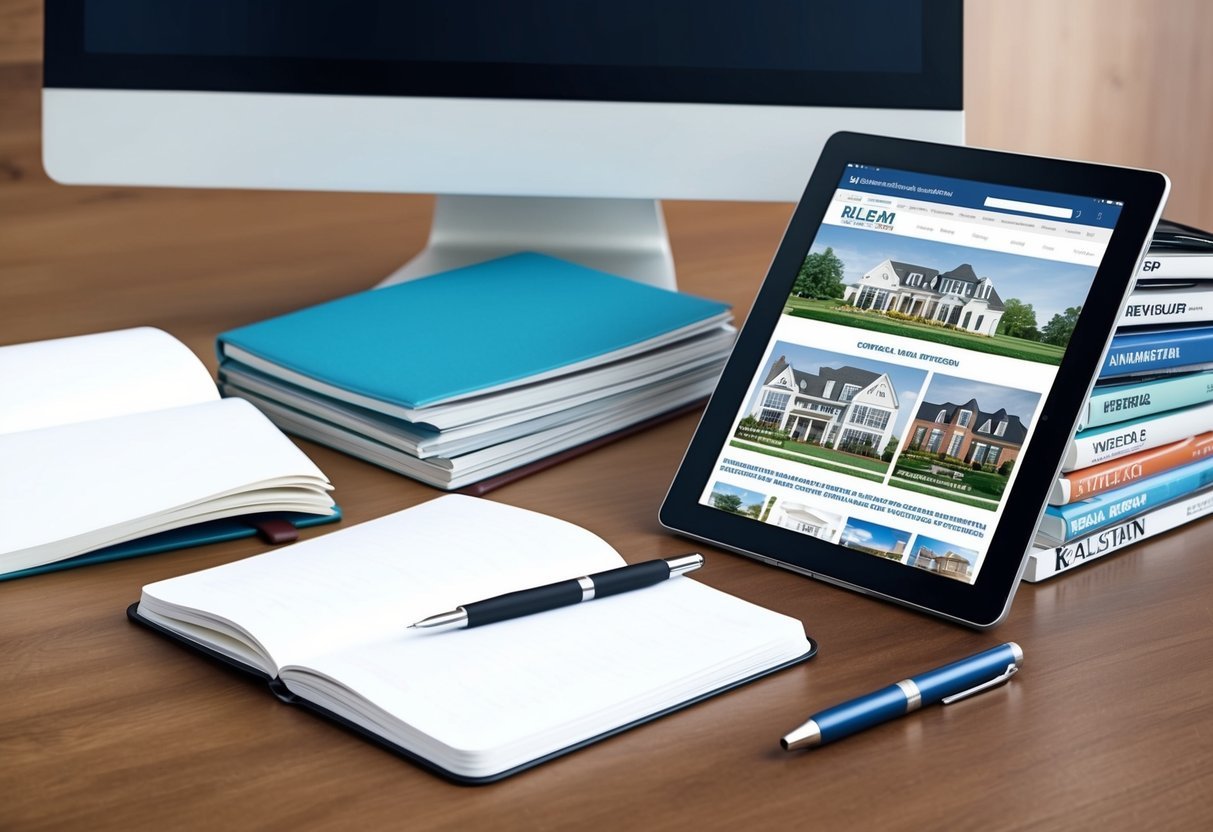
<point>549,125</point>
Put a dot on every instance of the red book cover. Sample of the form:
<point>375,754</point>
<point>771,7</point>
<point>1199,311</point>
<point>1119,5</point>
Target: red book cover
<point>1087,482</point>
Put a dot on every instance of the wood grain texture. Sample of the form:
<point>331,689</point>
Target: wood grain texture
<point>20,31</point>
<point>1128,82</point>
<point>104,726</point>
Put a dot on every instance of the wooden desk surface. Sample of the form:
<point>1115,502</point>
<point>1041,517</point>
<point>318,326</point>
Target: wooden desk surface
<point>103,725</point>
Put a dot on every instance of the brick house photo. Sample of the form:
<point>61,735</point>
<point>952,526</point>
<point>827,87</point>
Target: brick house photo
<point>964,440</point>
<point>966,432</point>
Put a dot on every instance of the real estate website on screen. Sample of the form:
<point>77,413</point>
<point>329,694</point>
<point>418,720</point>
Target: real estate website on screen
<point>904,378</point>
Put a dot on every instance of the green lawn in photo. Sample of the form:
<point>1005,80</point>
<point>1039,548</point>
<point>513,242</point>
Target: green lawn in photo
<point>950,496</point>
<point>830,455</point>
<point>815,462</point>
<point>832,311</point>
<point>985,488</point>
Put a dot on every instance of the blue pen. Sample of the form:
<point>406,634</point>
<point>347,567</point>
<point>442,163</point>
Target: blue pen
<point>946,684</point>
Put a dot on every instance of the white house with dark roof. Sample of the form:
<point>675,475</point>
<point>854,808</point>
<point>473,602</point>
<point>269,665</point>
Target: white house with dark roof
<point>958,297</point>
<point>835,407</point>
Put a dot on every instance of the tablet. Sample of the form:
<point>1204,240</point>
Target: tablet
<point>895,410</point>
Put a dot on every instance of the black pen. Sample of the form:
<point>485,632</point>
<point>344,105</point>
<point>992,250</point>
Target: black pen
<point>561,594</point>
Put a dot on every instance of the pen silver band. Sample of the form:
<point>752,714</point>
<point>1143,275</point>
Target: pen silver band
<point>913,694</point>
<point>587,588</point>
<point>539,599</point>
<point>1017,652</point>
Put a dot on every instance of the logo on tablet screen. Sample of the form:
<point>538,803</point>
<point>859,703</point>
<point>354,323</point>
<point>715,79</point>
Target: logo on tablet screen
<point>866,217</point>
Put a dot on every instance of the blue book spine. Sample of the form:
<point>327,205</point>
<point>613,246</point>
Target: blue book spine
<point>1133,353</point>
<point>1121,402</point>
<point>1086,516</point>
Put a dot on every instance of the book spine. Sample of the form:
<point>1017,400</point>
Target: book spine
<point>1176,265</point>
<point>1098,479</point>
<point>1079,519</point>
<point>1148,307</point>
<point>1164,349</point>
<point>1091,447</point>
<point>1044,563</point>
<point>1133,401</point>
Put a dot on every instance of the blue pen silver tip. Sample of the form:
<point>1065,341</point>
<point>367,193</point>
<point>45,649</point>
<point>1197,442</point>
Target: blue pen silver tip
<point>806,736</point>
<point>950,683</point>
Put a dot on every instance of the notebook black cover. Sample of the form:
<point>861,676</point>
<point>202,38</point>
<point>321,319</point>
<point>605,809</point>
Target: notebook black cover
<point>279,690</point>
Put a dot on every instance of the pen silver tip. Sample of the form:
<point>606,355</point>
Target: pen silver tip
<point>443,621</point>
<point>806,736</point>
<point>684,564</point>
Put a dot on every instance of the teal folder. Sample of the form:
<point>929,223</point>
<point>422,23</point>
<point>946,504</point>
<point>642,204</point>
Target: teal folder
<point>212,531</point>
<point>469,330</point>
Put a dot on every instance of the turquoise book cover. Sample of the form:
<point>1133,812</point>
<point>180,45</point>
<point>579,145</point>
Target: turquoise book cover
<point>210,531</point>
<point>1121,402</point>
<point>468,330</point>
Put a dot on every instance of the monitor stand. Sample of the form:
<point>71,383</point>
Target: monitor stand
<point>626,237</point>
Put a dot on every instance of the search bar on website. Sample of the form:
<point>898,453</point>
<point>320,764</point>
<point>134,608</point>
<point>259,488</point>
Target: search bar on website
<point>1029,207</point>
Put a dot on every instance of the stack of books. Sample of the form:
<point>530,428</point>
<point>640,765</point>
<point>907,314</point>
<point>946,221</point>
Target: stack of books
<point>473,377</point>
<point>1141,462</point>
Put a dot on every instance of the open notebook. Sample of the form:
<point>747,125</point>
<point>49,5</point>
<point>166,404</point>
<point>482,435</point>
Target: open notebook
<point>326,621</point>
<point>113,437</point>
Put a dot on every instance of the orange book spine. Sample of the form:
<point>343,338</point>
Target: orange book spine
<point>1117,473</point>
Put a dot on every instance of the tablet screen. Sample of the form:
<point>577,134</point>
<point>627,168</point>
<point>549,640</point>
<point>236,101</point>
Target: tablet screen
<point>904,377</point>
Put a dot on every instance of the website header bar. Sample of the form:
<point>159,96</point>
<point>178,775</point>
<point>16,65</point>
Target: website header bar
<point>993,231</point>
<point>1102,213</point>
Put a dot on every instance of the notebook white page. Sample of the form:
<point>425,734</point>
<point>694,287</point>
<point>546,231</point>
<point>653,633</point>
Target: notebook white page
<point>64,487</point>
<point>485,700</point>
<point>85,377</point>
<point>331,615</point>
<point>361,582</point>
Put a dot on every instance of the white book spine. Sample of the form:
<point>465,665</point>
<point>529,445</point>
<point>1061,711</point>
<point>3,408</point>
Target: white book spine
<point>1045,563</point>
<point>1102,444</point>
<point>1167,306</point>
<point>1176,265</point>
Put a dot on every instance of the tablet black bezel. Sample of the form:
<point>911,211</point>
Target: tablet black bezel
<point>986,601</point>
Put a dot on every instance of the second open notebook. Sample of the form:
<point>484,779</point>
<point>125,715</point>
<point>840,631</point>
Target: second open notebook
<point>327,621</point>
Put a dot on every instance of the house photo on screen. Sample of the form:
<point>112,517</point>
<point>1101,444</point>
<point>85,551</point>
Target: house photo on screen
<point>740,501</point>
<point>988,301</point>
<point>941,558</point>
<point>875,539</point>
<point>843,413</point>
<point>963,441</point>
<point>806,519</point>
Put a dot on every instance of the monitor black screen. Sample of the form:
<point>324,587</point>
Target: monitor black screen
<point>882,53</point>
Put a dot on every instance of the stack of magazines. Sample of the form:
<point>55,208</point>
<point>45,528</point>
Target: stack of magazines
<point>1141,462</point>
<point>470,378</point>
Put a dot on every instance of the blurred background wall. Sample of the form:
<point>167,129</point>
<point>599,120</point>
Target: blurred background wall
<point>1123,81</point>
